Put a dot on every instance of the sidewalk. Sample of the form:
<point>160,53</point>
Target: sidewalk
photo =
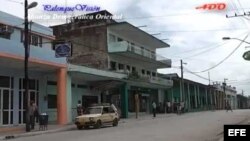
<point>19,131</point>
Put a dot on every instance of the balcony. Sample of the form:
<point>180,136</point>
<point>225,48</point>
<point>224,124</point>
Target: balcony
<point>150,79</point>
<point>16,48</point>
<point>139,53</point>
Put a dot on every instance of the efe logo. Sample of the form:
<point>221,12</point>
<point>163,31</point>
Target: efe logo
<point>236,132</point>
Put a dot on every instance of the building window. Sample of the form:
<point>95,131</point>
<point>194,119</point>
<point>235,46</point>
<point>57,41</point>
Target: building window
<point>82,86</point>
<point>121,67</point>
<point>52,83</point>
<point>153,74</point>
<point>133,69</point>
<point>52,101</point>
<point>111,38</point>
<point>6,31</point>
<point>119,39</point>
<point>148,73</point>
<point>128,67</point>
<point>34,39</point>
<point>113,65</point>
<point>143,71</point>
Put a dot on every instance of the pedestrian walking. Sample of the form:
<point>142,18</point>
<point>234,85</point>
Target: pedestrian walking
<point>154,108</point>
<point>168,107</point>
<point>79,108</point>
<point>228,107</point>
<point>33,113</point>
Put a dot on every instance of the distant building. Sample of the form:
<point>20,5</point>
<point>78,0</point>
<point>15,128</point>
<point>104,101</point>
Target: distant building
<point>230,94</point>
<point>242,101</point>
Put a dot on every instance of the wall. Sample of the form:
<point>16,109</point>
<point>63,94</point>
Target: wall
<point>89,45</point>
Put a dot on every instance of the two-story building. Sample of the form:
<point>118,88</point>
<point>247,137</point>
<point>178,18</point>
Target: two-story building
<point>229,95</point>
<point>123,58</point>
<point>44,69</point>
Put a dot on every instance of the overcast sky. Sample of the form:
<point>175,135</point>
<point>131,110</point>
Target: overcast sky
<point>194,35</point>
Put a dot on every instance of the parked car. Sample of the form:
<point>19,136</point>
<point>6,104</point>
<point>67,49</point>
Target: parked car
<point>97,116</point>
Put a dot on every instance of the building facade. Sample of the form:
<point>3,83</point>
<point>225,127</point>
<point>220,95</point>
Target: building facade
<point>43,68</point>
<point>227,94</point>
<point>118,48</point>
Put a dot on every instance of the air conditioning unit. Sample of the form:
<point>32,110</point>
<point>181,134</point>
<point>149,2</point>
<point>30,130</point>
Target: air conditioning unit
<point>6,29</point>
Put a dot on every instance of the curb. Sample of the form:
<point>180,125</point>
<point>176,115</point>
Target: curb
<point>36,133</point>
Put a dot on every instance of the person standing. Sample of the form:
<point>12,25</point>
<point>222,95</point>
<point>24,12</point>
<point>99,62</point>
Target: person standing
<point>79,108</point>
<point>33,112</point>
<point>168,107</point>
<point>228,107</point>
<point>154,108</point>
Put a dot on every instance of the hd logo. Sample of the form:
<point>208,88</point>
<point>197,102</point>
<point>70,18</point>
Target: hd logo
<point>237,132</point>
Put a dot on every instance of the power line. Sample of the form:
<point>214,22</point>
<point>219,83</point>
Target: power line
<point>224,58</point>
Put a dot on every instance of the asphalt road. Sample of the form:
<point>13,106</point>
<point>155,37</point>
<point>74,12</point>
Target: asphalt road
<point>199,126</point>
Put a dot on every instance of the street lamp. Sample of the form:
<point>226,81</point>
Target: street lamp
<point>26,59</point>
<point>229,38</point>
<point>246,55</point>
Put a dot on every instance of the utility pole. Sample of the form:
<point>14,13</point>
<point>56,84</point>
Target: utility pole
<point>224,90</point>
<point>182,83</point>
<point>182,96</point>
<point>209,89</point>
<point>26,79</point>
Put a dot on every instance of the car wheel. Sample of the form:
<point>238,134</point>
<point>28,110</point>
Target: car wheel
<point>115,122</point>
<point>86,127</point>
<point>79,127</point>
<point>98,124</point>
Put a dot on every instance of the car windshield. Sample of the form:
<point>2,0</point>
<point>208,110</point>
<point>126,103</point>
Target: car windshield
<point>94,110</point>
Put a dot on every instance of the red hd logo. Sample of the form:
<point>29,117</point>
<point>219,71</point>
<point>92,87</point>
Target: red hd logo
<point>213,6</point>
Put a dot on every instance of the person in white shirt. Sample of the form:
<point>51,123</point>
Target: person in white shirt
<point>154,108</point>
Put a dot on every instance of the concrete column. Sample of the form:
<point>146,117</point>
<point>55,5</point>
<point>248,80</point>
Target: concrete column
<point>69,99</point>
<point>215,103</point>
<point>195,93</point>
<point>61,96</point>
<point>199,101</point>
<point>124,100</point>
<point>206,98</point>
<point>181,94</point>
<point>189,102</point>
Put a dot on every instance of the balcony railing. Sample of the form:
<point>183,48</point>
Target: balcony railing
<point>124,46</point>
<point>150,79</point>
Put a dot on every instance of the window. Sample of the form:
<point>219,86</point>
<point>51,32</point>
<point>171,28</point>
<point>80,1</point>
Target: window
<point>105,110</point>
<point>5,31</point>
<point>52,83</point>
<point>34,39</point>
<point>121,67</point>
<point>143,72</point>
<point>128,67</point>
<point>120,39</point>
<point>111,38</point>
<point>113,65</point>
<point>82,86</point>
<point>133,69</point>
<point>52,101</point>
<point>111,110</point>
<point>148,73</point>
<point>4,81</point>
<point>153,74</point>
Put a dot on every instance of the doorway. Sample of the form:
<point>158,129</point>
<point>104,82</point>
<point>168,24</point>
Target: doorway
<point>6,106</point>
<point>33,96</point>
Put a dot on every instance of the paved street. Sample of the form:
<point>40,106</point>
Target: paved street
<point>199,126</point>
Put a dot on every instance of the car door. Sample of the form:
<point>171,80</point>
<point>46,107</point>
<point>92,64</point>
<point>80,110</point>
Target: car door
<point>105,115</point>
